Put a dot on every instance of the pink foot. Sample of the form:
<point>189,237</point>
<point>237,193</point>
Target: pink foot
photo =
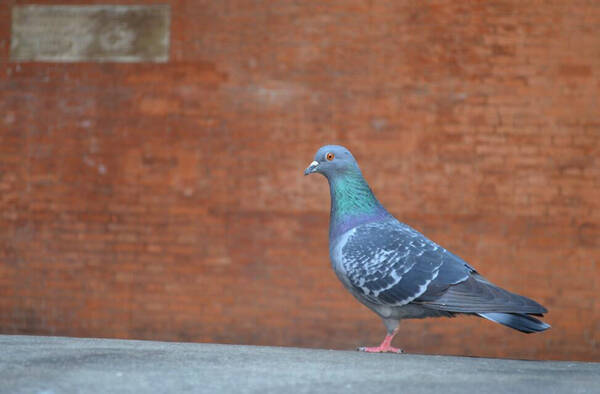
<point>380,349</point>
<point>385,347</point>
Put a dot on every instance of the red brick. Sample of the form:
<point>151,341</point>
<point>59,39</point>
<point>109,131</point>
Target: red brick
<point>166,201</point>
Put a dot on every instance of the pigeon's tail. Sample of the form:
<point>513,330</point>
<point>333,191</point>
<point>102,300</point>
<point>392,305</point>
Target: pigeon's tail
<point>517,321</point>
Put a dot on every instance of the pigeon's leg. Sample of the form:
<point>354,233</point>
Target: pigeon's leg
<point>386,345</point>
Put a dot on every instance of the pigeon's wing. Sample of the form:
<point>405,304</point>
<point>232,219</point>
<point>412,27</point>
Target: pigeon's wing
<point>390,263</point>
<point>473,294</point>
<point>477,295</point>
<point>393,264</point>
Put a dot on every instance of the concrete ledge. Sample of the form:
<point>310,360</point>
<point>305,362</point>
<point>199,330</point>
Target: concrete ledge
<point>31,364</point>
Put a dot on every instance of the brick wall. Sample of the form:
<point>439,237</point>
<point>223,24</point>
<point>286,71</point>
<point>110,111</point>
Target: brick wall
<point>166,201</point>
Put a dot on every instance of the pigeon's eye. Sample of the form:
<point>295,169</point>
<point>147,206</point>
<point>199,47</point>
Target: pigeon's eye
<point>329,156</point>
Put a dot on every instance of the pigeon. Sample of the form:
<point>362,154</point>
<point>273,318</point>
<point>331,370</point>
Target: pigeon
<point>395,270</point>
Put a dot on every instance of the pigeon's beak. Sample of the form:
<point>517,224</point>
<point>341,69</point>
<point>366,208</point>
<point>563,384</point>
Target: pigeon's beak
<point>312,167</point>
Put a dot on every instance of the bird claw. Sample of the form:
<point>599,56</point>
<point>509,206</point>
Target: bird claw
<point>380,349</point>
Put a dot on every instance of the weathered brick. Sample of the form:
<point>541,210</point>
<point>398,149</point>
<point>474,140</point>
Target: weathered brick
<point>166,201</point>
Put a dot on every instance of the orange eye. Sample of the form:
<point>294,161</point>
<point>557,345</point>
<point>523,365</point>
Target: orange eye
<point>330,156</point>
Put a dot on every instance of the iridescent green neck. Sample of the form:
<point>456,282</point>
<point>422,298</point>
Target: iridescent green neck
<point>352,202</point>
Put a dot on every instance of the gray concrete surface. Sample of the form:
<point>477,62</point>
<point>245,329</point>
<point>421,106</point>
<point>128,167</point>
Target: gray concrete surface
<point>48,365</point>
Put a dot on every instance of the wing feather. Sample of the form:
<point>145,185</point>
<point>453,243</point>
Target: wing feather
<point>392,264</point>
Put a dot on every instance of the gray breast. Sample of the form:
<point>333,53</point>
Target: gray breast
<point>336,257</point>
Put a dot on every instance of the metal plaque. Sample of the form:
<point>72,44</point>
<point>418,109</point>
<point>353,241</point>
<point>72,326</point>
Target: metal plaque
<point>95,33</point>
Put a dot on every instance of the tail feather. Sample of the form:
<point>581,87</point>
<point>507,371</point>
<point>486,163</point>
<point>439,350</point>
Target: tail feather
<point>517,321</point>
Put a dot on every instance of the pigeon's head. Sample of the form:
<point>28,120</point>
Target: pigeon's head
<point>332,160</point>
